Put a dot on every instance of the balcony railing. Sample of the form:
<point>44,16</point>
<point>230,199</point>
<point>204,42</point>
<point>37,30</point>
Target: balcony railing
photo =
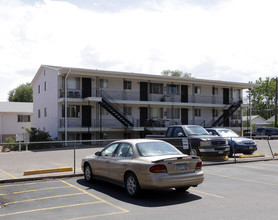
<point>155,123</point>
<point>135,96</point>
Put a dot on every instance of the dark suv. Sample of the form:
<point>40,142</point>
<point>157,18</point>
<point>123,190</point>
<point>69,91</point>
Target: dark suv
<point>267,131</point>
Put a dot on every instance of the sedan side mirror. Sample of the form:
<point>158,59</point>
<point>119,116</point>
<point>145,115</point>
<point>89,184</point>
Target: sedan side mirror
<point>98,153</point>
<point>180,134</point>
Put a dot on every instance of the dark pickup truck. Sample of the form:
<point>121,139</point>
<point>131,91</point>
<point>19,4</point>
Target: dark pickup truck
<point>195,140</point>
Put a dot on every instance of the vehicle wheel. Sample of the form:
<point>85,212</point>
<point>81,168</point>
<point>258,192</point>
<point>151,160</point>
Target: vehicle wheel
<point>231,153</point>
<point>182,189</point>
<point>88,174</point>
<point>248,152</point>
<point>131,185</point>
<point>194,152</point>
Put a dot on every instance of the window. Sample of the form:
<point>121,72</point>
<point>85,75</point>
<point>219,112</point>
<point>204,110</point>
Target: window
<point>197,89</point>
<point>74,83</point>
<point>124,150</point>
<point>198,112</point>
<point>127,110</point>
<point>103,83</point>
<point>127,85</point>
<point>109,150</point>
<point>156,88</point>
<point>178,131</point>
<point>173,89</point>
<point>23,118</point>
<point>39,113</point>
<point>44,86</point>
<point>39,89</point>
<point>156,112</point>
<point>214,112</point>
<point>45,112</point>
<point>73,111</point>
<point>173,113</point>
<point>214,91</point>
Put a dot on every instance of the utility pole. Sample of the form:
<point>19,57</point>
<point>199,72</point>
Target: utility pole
<point>275,112</point>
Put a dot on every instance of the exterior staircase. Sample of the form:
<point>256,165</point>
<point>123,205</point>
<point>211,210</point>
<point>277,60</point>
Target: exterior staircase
<point>226,114</point>
<point>110,105</point>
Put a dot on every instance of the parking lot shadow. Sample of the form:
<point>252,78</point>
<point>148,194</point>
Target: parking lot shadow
<point>148,198</point>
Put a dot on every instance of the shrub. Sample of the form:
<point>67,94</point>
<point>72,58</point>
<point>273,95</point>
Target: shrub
<point>10,145</point>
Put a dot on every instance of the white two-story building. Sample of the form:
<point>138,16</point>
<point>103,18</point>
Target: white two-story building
<point>15,117</point>
<point>75,103</point>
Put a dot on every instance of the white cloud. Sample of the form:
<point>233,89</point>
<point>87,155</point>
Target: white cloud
<point>231,40</point>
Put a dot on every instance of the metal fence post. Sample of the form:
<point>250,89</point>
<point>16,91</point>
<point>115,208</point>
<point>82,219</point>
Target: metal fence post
<point>74,157</point>
<point>233,147</point>
<point>270,147</point>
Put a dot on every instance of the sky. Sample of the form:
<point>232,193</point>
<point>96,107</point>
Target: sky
<point>230,40</point>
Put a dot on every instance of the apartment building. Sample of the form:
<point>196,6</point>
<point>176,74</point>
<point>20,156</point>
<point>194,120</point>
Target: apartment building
<point>81,104</point>
<point>15,117</point>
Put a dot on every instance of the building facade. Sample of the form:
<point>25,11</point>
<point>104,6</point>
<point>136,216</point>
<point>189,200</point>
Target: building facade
<point>81,104</point>
<point>15,117</point>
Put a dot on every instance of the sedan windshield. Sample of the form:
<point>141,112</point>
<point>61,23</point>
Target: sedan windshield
<point>227,133</point>
<point>148,149</point>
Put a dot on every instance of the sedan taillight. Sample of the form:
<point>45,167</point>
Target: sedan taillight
<point>199,165</point>
<point>158,169</point>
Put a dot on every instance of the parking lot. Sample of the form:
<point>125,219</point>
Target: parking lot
<point>13,165</point>
<point>232,191</point>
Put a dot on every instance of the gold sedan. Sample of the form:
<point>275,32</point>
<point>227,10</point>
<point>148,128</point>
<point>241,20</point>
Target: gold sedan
<point>144,164</point>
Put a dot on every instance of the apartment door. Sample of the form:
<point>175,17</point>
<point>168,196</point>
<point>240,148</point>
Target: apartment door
<point>184,116</point>
<point>86,116</point>
<point>143,116</point>
<point>226,99</point>
<point>86,87</point>
<point>184,93</point>
<point>143,91</point>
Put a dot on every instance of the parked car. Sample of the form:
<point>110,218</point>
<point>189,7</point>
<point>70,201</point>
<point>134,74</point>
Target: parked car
<point>238,144</point>
<point>201,142</point>
<point>266,131</point>
<point>144,164</point>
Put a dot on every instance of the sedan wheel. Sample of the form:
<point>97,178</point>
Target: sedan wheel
<point>131,185</point>
<point>194,152</point>
<point>88,174</point>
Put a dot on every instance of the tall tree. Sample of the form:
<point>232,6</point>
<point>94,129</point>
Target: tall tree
<point>22,93</point>
<point>176,73</point>
<point>263,97</point>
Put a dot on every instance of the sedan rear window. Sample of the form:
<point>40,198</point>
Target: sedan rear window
<point>148,149</point>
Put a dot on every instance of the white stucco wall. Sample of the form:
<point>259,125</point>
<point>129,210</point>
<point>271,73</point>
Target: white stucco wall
<point>46,99</point>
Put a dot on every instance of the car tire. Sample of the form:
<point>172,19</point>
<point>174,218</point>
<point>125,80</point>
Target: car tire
<point>194,151</point>
<point>88,174</point>
<point>182,189</point>
<point>132,185</point>
<point>248,152</point>
<point>231,153</point>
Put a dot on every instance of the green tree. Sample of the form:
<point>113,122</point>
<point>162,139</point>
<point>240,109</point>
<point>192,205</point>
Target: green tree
<point>176,73</point>
<point>22,93</point>
<point>263,97</point>
<point>36,135</point>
